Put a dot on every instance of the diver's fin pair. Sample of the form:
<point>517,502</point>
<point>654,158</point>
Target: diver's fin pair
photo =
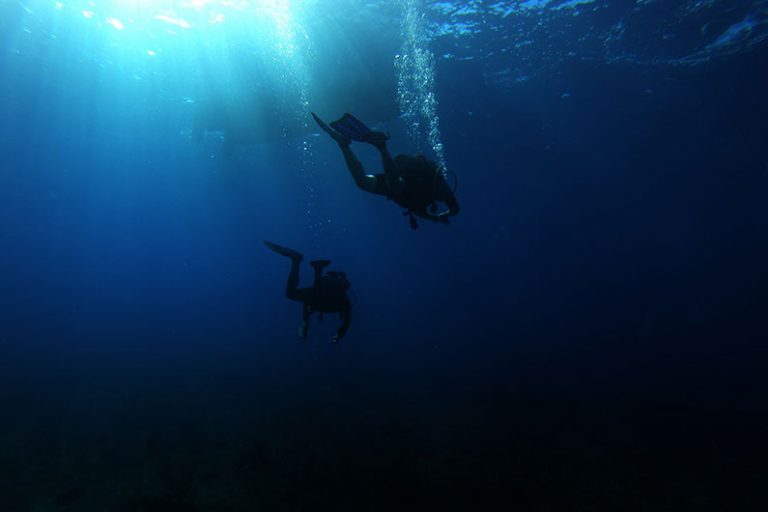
<point>349,126</point>
<point>352,127</point>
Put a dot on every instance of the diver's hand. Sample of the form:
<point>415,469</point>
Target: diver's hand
<point>442,218</point>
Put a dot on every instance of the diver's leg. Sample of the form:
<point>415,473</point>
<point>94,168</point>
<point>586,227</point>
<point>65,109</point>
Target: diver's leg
<point>292,287</point>
<point>304,328</point>
<point>388,164</point>
<point>363,181</point>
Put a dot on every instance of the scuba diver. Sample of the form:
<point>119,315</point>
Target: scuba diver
<point>328,293</point>
<point>413,182</point>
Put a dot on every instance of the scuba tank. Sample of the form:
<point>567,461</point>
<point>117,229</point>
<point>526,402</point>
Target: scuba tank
<point>421,179</point>
<point>331,292</point>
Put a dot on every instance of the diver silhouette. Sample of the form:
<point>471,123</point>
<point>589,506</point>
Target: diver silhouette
<point>414,182</point>
<point>328,293</point>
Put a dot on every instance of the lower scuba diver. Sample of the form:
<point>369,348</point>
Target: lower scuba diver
<point>328,293</point>
<point>413,182</point>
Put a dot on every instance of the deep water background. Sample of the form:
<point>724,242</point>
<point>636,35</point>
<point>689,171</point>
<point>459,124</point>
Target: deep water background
<point>588,334</point>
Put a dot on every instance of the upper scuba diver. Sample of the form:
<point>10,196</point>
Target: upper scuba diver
<point>328,293</point>
<point>413,182</point>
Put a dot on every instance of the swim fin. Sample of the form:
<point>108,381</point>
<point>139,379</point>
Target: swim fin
<point>353,128</point>
<point>284,251</point>
<point>322,124</point>
<point>320,264</point>
<point>339,137</point>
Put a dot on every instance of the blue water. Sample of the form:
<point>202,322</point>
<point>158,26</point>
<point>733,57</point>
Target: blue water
<point>587,334</point>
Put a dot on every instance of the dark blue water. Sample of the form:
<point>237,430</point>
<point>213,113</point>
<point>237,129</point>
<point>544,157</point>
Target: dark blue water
<point>588,334</point>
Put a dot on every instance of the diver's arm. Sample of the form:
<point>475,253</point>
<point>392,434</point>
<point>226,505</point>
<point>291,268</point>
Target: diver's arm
<point>451,202</point>
<point>366,182</point>
<point>346,318</point>
<point>446,196</point>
